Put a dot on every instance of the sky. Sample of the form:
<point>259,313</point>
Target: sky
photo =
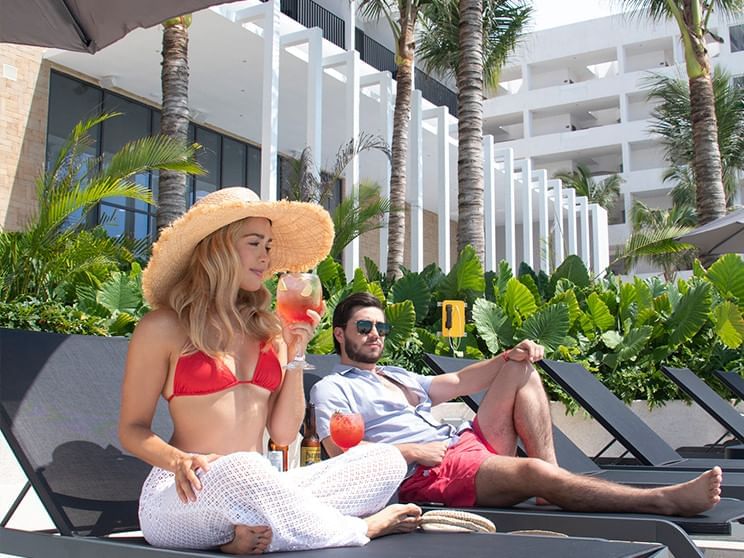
<point>553,13</point>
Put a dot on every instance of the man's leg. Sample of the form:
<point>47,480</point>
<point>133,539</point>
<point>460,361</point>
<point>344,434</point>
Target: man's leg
<point>505,481</point>
<point>516,406</point>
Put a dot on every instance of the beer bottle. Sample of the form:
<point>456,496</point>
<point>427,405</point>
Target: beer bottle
<point>277,455</point>
<point>310,445</point>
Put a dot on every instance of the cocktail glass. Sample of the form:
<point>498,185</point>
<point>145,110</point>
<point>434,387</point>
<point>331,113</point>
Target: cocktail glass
<point>296,293</point>
<point>347,429</point>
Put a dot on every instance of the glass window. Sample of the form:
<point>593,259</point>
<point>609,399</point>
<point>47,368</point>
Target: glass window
<point>616,215</point>
<point>227,161</point>
<point>233,163</point>
<point>736,35</point>
<point>133,123</point>
<point>70,101</point>
<point>209,157</point>
<point>253,178</point>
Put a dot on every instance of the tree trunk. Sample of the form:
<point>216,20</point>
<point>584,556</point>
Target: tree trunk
<point>399,149</point>
<point>470,227</point>
<point>174,121</point>
<point>709,192</point>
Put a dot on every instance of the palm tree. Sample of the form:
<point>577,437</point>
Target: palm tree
<point>54,253</point>
<point>354,215</point>
<point>470,40</point>
<point>672,121</point>
<point>402,16</point>
<point>692,18</point>
<point>604,192</point>
<point>654,231</point>
<point>174,121</point>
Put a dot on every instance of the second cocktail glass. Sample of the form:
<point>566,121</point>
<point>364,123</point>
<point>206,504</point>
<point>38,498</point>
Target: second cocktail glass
<point>347,429</point>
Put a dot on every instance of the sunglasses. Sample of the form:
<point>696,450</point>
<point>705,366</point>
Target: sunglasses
<point>365,326</point>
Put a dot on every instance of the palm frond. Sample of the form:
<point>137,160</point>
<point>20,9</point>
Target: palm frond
<point>156,152</point>
<point>355,216</point>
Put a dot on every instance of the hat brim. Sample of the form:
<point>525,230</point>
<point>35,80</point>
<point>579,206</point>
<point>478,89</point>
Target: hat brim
<point>302,236</point>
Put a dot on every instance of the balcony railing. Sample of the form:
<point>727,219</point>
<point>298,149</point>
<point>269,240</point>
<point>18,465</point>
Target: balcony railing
<point>310,14</point>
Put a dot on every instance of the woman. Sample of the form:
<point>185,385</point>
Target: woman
<point>215,352</point>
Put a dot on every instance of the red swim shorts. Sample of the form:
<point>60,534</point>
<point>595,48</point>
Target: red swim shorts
<point>452,482</point>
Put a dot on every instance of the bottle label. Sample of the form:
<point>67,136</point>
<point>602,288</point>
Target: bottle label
<point>309,455</point>
<point>276,458</point>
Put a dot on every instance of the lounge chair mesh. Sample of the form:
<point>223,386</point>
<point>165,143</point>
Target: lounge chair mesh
<point>59,406</point>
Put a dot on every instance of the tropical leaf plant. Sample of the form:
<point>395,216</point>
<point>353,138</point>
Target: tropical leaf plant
<point>53,253</point>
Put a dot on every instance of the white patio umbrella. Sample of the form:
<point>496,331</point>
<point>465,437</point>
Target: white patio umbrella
<point>722,236</point>
<point>86,25</point>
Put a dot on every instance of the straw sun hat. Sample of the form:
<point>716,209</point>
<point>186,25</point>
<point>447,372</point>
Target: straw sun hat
<point>302,236</point>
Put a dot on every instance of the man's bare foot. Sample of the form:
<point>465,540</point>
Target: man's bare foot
<point>693,497</point>
<point>396,518</point>
<point>249,539</point>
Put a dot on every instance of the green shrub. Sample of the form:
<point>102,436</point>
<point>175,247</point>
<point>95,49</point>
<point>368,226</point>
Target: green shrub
<point>36,315</point>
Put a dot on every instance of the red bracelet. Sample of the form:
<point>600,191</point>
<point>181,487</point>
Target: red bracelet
<point>505,355</point>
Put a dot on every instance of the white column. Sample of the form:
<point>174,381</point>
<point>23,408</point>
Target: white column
<point>526,197</point>
<point>314,40</point>
<point>600,235</point>
<point>543,221</point>
<point>443,185</point>
<point>571,219</point>
<point>620,60</point>
<point>624,111</point>
<point>315,96</point>
<point>558,253</point>
<point>350,30</point>
<point>585,248</point>
<point>270,102</point>
<point>489,203</point>
<point>348,62</point>
<point>415,185</point>
<point>527,123</point>
<point>510,241</point>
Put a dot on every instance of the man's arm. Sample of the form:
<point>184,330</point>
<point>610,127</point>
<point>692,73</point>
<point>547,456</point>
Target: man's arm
<point>480,375</point>
<point>428,455</point>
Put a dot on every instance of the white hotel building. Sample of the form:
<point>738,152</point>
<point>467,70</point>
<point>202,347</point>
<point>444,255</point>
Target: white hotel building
<point>263,86</point>
<point>575,95</point>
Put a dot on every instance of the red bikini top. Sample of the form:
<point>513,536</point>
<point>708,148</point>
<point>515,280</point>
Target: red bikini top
<point>200,374</point>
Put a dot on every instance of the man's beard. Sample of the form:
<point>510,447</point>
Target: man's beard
<point>357,355</point>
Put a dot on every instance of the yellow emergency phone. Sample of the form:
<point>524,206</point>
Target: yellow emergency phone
<point>453,318</point>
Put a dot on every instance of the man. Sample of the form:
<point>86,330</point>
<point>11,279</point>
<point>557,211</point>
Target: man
<point>475,465</point>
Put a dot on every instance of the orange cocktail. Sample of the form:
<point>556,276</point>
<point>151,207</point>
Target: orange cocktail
<point>347,429</point>
<point>296,293</point>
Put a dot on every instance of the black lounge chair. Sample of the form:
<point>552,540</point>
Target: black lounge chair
<point>624,425</point>
<point>573,459</point>
<point>610,526</point>
<point>59,401</point>
<point>733,381</point>
<point>715,405</point>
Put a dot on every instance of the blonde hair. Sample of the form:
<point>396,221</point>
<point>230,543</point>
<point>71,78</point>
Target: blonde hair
<point>209,301</point>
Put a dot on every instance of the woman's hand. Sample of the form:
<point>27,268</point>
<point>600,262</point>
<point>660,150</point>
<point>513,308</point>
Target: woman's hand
<point>298,334</point>
<point>187,470</point>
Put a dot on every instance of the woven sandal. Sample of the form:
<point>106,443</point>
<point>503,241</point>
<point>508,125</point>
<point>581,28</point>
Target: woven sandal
<point>456,521</point>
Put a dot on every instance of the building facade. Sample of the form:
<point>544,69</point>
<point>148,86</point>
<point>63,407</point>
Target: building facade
<point>263,87</point>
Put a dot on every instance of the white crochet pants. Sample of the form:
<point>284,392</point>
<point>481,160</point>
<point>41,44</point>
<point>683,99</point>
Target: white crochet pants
<point>309,507</point>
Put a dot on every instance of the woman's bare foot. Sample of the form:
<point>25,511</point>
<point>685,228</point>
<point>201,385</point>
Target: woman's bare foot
<point>693,497</point>
<point>396,518</point>
<point>249,539</point>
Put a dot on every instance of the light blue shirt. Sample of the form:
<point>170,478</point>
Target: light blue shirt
<point>388,416</point>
